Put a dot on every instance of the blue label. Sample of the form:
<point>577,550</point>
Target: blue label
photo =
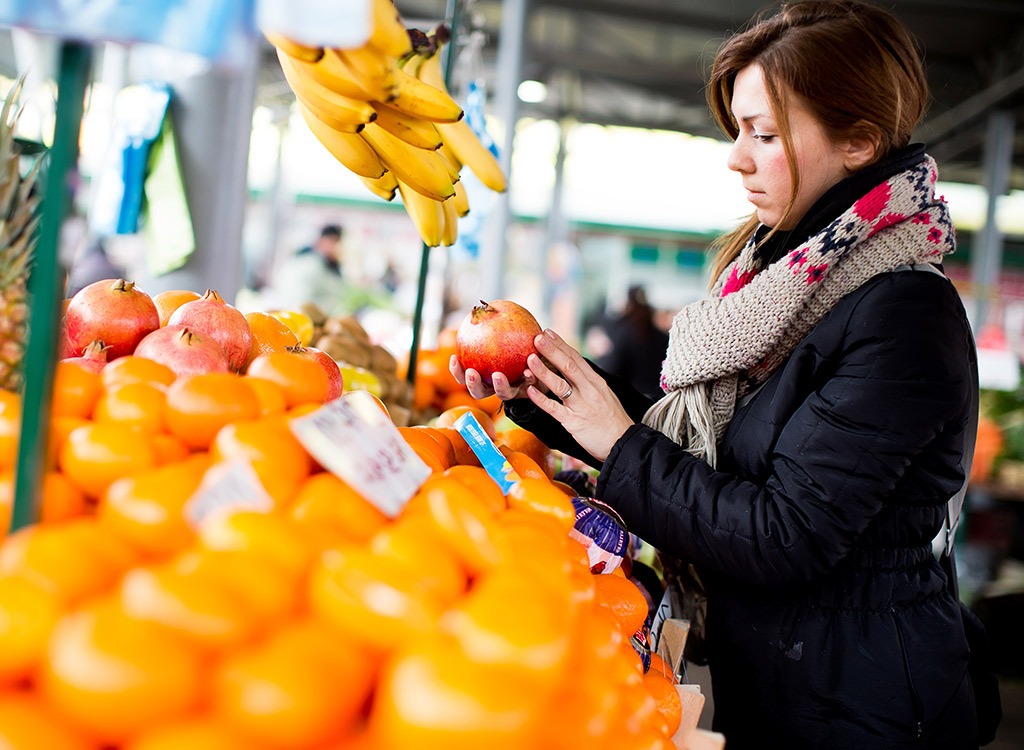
<point>492,459</point>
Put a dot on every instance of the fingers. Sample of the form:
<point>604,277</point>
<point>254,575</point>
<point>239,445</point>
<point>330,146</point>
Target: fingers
<point>455,367</point>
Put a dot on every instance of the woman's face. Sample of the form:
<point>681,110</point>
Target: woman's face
<point>759,157</point>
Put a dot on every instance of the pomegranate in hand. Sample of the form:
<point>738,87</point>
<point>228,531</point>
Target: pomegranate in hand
<point>496,337</point>
<point>114,311</point>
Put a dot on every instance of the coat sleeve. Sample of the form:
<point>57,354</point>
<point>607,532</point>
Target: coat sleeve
<point>901,377</point>
<point>525,414</point>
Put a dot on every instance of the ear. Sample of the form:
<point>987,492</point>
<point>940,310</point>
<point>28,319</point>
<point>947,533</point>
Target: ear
<point>861,148</point>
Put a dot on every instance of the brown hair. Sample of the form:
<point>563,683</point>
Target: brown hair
<point>853,65</point>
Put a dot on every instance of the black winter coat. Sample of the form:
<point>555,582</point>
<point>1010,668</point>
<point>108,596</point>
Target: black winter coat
<point>829,624</point>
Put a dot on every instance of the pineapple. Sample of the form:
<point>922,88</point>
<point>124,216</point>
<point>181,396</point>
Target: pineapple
<point>19,230</point>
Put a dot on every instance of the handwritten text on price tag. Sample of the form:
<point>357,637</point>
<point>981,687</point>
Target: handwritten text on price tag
<point>353,438</point>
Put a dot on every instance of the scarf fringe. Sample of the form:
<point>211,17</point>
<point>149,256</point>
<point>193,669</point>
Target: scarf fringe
<point>685,416</point>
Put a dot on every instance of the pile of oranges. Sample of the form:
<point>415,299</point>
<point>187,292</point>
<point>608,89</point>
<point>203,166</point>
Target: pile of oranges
<point>470,620</point>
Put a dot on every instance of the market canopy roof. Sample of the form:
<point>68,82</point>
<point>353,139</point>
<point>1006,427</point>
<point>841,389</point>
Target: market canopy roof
<point>640,63</point>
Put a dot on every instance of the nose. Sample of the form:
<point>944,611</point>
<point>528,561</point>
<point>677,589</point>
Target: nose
<point>739,160</point>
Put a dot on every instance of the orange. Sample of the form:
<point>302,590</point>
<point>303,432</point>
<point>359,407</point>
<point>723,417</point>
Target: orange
<point>448,417</point>
<point>75,559</point>
<point>168,301</point>
<point>432,696</point>
<point>169,448</point>
<point>298,323</point>
<point>507,620</point>
<point>423,393</point>
<point>666,699</point>
<point>524,466</point>
<point>301,688</point>
<point>137,405</point>
<point>96,455</point>
<point>267,535</point>
<point>75,391</point>
<point>60,428</point>
<point>375,598</point>
<point>430,458</point>
<point>191,608</point>
<point>268,335</point>
<point>199,405</point>
<point>269,394</point>
<point>28,612</point>
<point>432,442</point>
<point>456,399</point>
<point>491,404</point>
<point>464,455</point>
<point>481,483</point>
<point>195,733</point>
<point>661,666</point>
<point>10,428</point>
<point>148,510</point>
<point>26,723</point>
<point>303,380</point>
<point>433,366</point>
<point>276,455</point>
<point>132,369</point>
<point>543,497</point>
<point>624,599</point>
<point>61,500</point>
<point>266,591</point>
<point>523,441</point>
<point>115,676</point>
<point>326,502</point>
<point>415,540</point>
<point>467,524</point>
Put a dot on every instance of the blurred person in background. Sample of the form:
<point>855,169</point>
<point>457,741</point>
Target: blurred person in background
<point>637,345</point>
<point>311,274</point>
<point>817,409</point>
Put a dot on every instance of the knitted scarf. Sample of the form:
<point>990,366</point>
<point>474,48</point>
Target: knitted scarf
<point>727,345</point>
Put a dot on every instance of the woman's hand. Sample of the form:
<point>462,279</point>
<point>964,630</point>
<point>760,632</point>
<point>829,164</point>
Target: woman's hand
<point>478,388</point>
<point>587,408</point>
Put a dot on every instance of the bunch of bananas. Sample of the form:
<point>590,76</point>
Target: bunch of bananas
<point>384,111</point>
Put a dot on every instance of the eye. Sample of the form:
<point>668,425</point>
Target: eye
<point>763,137</point>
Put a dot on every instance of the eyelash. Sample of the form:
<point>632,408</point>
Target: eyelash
<point>762,137</point>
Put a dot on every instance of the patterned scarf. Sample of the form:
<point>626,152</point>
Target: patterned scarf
<point>727,345</point>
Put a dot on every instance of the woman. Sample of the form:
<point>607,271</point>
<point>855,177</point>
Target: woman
<point>816,403</point>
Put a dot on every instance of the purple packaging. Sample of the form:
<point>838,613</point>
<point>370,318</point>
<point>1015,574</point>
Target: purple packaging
<point>605,539</point>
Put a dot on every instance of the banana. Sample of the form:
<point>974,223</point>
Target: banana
<point>389,32</point>
<point>460,200</point>
<point>420,99</point>
<point>332,74</point>
<point>413,130</point>
<point>385,186</point>
<point>421,170</point>
<point>348,148</point>
<point>460,138</point>
<point>450,228</point>
<point>426,214</point>
<point>295,49</point>
<point>371,69</point>
<point>340,112</point>
<point>453,165</point>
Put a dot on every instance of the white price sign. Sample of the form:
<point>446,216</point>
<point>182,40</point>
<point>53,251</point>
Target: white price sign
<point>226,487</point>
<point>321,23</point>
<point>353,438</point>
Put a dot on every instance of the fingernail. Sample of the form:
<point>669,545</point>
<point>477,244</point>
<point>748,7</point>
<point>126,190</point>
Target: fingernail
<point>549,333</point>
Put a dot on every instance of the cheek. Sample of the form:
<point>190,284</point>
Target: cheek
<point>777,166</point>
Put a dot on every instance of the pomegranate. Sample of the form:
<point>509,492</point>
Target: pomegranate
<point>114,311</point>
<point>183,350</point>
<point>335,379</point>
<point>496,337</point>
<point>94,358</point>
<point>211,316</point>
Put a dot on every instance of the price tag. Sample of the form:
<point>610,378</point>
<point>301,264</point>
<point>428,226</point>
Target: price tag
<point>227,486</point>
<point>322,23</point>
<point>492,459</point>
<point>354,439</point>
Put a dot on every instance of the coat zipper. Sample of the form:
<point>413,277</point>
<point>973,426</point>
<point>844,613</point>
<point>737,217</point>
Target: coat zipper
<point>915,698</point>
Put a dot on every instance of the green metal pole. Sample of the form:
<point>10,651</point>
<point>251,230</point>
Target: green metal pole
<point>451,13</point>
<point>46,285</point>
